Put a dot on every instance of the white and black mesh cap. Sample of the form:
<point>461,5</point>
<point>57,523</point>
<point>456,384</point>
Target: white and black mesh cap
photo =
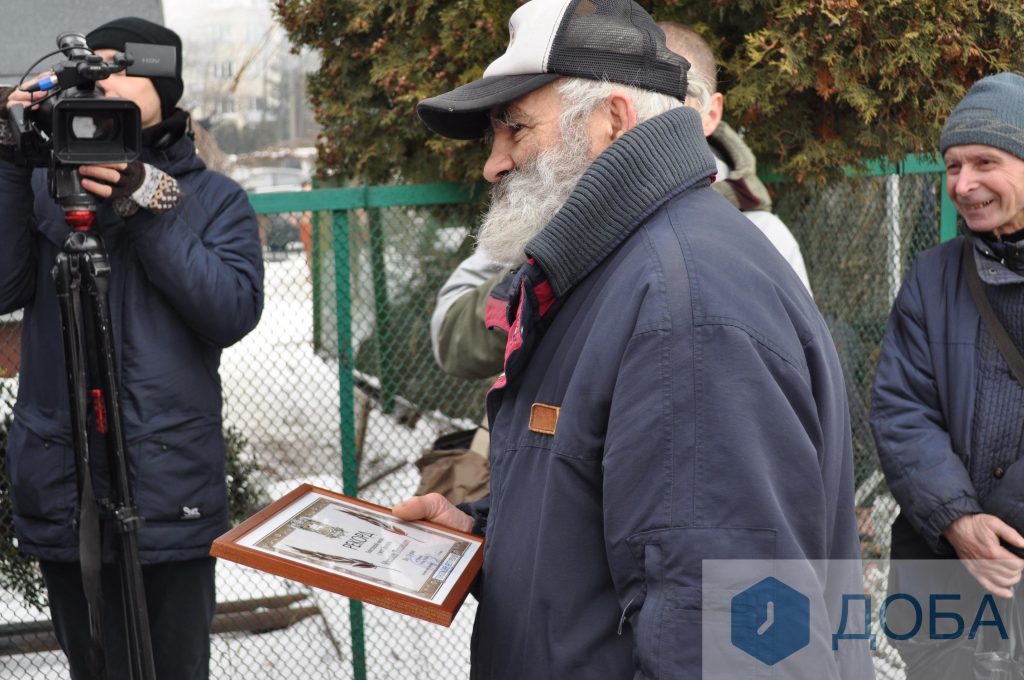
<point>612,40</point>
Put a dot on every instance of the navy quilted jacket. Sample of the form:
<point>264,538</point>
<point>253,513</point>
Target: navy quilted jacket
<point>924,400</point>
<point>183,286</point>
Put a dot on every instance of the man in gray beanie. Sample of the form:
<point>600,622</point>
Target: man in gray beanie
<point>948,402</point>
<point>186,280</point>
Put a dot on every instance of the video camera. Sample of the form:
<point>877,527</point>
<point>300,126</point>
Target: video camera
<point>76,125</point>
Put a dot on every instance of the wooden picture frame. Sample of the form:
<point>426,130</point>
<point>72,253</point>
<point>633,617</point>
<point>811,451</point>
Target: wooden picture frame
<point>357,549</point>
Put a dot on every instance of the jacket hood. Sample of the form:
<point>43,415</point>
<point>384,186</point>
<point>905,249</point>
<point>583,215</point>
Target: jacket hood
<point>741,186</point>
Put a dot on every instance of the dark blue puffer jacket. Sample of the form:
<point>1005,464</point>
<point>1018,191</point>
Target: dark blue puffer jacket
<point>671,394</point>
<point>183,286</point>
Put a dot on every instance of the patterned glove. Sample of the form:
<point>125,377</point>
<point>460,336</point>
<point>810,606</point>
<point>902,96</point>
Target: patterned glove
<point>6,138</point>
<point>143,186</point>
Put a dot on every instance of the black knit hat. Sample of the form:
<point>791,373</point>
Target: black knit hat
<point>613,40</point>
<point>114,34</point>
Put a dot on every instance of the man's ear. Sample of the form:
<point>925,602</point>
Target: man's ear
<point>621,115</point>
<point>713,117</point>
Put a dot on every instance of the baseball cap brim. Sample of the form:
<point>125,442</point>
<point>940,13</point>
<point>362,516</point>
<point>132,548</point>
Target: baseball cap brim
<point>464,112</point>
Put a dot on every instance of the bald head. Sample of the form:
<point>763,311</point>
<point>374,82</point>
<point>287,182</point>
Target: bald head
<point>689,44</point>
<point>702,91</point>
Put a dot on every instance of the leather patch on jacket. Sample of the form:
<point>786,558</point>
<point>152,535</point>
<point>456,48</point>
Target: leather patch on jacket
<point>543,418</point>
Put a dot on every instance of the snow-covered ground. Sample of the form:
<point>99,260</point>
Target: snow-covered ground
<point>284,399</point>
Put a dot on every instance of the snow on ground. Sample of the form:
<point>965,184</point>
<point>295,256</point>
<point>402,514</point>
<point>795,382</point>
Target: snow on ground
<point>285,400</point>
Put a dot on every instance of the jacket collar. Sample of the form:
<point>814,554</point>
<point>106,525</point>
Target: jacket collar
<point>999,262</point>
<point>166,132</point>
<point>173,149</point>
<point>632,178</point>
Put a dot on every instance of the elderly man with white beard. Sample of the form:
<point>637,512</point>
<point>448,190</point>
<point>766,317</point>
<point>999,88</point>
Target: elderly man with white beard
<point>521,204</point>
<point>463,345</point>
<point>670,393</point>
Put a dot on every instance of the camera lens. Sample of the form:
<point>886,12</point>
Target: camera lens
<point>100,128</point>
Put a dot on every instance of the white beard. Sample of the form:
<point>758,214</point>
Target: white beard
<point>526,199</point>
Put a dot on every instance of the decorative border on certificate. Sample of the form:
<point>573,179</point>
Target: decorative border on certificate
<point>360,550</point>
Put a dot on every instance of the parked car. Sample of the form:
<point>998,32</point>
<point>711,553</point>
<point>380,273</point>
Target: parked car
<point>278,230</point>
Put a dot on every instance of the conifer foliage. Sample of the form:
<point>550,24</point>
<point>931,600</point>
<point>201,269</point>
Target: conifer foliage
<point>818,85</point>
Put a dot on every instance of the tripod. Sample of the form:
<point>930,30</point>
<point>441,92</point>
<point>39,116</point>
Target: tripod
<point>82,267</point>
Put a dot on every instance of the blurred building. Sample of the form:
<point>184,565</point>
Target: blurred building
<point>241,79</point>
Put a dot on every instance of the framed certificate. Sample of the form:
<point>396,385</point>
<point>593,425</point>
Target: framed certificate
<point>360,550</point>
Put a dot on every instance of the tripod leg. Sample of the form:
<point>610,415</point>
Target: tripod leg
<point>89,348</point>
<point>96,273</point>
<point>67,276</point>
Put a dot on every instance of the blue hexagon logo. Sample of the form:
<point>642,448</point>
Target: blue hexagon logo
<point>771,621</point>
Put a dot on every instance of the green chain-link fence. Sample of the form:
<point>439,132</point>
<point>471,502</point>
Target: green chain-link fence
<point>337,386</point>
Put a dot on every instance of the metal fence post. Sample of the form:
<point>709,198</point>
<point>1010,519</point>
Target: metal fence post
<point>346,408</point>
<point>947,214</point>
<point>316,274</point>
<point>382,311</point>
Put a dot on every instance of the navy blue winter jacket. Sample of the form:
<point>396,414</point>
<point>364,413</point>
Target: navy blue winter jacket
<point>183,286</point>
<point>924,399</point>
<point>701,414</point>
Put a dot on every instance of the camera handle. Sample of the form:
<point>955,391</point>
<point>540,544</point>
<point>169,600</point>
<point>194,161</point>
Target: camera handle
<point>82,267</point>
<point>66,189</point>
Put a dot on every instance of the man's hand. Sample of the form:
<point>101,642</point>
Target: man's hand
<point>16,95</point>
<point>131,186</point>
<point>103,179</point>
<point>976,541</point>
<point>435,508</point>
<point>11,96</point>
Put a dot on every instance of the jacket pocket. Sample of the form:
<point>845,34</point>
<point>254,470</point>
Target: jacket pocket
<point>676,612</point>
<point>42,476</point>
<point>179,475</point>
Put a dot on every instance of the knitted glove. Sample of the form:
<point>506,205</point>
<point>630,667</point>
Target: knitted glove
<point>143,186</point>
<point>6,138</point>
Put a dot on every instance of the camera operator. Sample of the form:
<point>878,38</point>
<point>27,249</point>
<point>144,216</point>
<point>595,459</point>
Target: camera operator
<point>186,281</point>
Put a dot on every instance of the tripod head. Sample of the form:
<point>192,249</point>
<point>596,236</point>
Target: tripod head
<point>66,189</point>
<point>80,220</point>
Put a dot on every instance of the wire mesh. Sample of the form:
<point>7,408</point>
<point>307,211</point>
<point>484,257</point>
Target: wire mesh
<point>340,366</point>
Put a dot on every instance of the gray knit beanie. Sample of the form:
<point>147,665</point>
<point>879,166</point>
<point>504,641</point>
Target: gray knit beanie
<point>992,113</point>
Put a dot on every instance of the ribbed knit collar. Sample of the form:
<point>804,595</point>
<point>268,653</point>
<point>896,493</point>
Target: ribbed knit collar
<point>632,178</point>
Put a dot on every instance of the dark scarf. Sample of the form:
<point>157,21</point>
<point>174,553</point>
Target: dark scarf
<point>165,133</point>
<point>631,179</point>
